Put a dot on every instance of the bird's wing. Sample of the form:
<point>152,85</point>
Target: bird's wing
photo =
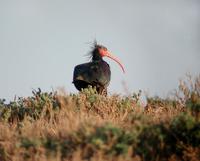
<point>93,73</point>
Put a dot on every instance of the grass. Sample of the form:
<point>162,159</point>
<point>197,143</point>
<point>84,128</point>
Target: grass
<point>90,127</point>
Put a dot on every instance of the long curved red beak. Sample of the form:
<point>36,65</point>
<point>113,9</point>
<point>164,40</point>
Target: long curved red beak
<point>109,55</point>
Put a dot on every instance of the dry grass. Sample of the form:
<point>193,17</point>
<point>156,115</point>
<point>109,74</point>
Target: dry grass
<point>88,126</point>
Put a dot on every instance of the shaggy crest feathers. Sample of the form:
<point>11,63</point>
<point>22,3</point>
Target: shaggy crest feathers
<point>94,53</point>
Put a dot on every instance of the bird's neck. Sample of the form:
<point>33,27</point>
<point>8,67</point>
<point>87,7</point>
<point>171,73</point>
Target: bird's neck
<point>96,56</point>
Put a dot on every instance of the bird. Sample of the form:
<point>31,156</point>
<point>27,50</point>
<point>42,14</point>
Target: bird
<point>95,73</point>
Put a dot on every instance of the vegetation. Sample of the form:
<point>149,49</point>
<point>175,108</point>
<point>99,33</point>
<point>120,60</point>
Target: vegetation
<point>88,126</point>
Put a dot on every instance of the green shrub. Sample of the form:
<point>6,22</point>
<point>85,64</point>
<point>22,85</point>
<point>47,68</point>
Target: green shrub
<point>39,105</point>
<point>152,143</point>
<point>186,129</point>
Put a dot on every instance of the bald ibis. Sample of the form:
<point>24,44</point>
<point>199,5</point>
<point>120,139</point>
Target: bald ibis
<point>95,73</point>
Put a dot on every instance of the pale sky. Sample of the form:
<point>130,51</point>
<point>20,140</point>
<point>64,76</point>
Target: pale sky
<point>42,40</point>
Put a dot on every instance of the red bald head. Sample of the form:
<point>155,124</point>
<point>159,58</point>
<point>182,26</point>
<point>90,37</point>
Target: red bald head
<point>104,52</point>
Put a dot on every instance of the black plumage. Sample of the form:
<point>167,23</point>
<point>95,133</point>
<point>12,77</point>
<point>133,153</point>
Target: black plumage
<point>95,73</point>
